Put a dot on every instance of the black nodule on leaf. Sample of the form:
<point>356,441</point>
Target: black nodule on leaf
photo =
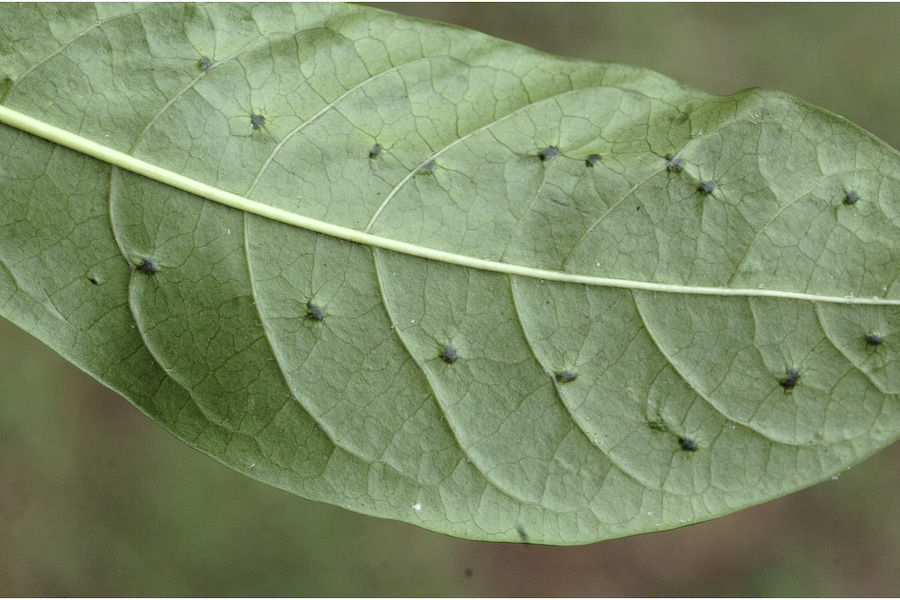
<point>149,265</point>
<point>448,354</point>
<point>314,311</point>
<point>94,280</point>
<point>257,121</point>
<point>375,151</point>
<point>706,187</point>
<point>565,376</point>
<point>593,159</point>
<point>874,339</point>
<point>851,197</point>
<point>549,153</point>
<point>674,164</point>
<point>687,443</point>
<point>204,63</point>
<point>791,380</point>
<point>427,167</point>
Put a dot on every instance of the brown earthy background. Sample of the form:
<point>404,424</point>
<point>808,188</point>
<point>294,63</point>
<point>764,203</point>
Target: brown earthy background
<point>96,500</point>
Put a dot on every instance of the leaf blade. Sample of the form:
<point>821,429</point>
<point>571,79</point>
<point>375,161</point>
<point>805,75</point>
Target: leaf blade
<point>361,407</point>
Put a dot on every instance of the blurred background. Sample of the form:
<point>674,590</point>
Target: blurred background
<point>96,500</point>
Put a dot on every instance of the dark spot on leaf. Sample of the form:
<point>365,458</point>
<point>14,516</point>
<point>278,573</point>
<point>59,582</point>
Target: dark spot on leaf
<point>427,167</point>
<point>851,197</point>
<point>375,151</point>
<point>549,153</point>
<point>149,265</point>
<point>559,202</point>
<point>204,63</point>
<point>522,534</point>
<point>874,339</point>
<point>314,311</point>
<point>593,159</point>
<point>94,280</point>
<point>638,207</point>
<point>687,443</point>
<point>566,376</point>
<point>448,354</point>
<point>468,571</point>
<point>706,187</point>
<point>791,380</point>
<point>674,164</point>
<point>257,121</point>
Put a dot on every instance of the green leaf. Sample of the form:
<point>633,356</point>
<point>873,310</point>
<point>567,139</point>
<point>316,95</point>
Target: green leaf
<point>428,275</point>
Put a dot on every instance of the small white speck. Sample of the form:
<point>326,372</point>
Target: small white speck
<point>413,321</point>
<point>251,465</point>
<point>598,263</point>
<point>835,478</point>
<point>228,231</point>
<point>760,286</point>
<point>417,506</point>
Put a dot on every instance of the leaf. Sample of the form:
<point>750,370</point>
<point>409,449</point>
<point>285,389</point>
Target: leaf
<point>428,275</point>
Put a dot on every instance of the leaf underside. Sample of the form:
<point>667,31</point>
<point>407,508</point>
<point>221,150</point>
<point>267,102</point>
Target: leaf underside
<point>484,404</point>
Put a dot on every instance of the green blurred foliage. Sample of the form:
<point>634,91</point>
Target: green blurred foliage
<point>96,500</point>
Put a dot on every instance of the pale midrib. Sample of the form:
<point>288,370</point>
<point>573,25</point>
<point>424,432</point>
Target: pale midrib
<point>119,159</point>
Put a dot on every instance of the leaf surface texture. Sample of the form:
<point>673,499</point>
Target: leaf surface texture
<point>749,247</point>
